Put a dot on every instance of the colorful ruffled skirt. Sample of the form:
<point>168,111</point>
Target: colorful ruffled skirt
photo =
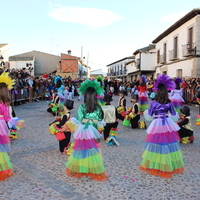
<point>86,159</point>
<point>162,156</point>
<point>143,101</point>
<point>177,102</point>
<point>5,164</point>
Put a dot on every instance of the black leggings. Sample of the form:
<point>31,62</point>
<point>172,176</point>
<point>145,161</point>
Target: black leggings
<point>107,129</point>
<point>183,132</point>
<point>134,121</point>
<point>65,142</point>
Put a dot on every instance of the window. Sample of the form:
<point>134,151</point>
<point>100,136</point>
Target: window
<point>165,52</point>
<point>190,37</point>
<point>179,73</point>
<point>158,56</point>
<point>175,53</point>
<point>165,72</point>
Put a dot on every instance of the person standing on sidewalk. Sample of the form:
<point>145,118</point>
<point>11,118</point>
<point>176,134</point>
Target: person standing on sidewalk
<point>162,156</point>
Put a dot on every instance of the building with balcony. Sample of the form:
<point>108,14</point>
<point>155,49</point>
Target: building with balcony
<point>145,60</point>
<point>178,47</point>
<point>118,69</point>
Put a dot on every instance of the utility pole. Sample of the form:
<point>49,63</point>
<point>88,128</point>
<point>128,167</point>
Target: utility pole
<point>87,65</point>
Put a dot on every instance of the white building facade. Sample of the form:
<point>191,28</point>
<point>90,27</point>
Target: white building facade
<point>145,61</point>
<point>178,48</point>
<point>4,55</point>
<point>118,69</point>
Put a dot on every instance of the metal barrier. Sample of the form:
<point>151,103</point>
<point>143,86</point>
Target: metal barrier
<point>19,96</point>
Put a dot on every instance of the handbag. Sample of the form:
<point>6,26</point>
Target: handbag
<point>60,136</point>
<point>126,122</point>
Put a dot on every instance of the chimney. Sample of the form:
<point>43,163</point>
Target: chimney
<point>69,52</point>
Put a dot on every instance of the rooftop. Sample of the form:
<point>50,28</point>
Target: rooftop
<point>176,25</point>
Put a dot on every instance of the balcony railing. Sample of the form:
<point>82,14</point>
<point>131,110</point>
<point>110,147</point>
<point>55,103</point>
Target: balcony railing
<point>188,50</point>
<point>163,58</point>
<point>173,54</point>
<point>111,74</point>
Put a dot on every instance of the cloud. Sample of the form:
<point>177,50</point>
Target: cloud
<point>173,17</point>
<point>87,16</point>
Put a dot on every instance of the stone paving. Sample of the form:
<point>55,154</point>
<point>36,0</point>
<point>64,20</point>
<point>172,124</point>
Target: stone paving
<point>39,167</point>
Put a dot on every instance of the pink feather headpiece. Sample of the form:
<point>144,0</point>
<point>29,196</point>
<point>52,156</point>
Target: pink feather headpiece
<point>165,80</point>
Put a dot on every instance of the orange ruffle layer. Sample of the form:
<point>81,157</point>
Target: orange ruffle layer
<point>6,174</point>
<point>162,174</point>
<point>96,177</point>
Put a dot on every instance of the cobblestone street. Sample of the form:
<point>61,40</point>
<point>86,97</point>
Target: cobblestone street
<point>39,167</point>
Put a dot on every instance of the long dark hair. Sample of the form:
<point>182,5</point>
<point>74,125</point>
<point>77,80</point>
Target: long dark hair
<point>58,83</point>
<point>90,99</point>
<point>178,87</point>
<point>162,94</point>
<point>4,95</point>
<point>143,84</point>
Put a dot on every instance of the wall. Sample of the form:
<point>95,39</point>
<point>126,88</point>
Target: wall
<point>44,63</point>
<point>148,61</point>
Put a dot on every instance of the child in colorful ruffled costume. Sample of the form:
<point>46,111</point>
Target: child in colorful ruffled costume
<point>121,109</point>
<point>6,122</point>
<point>56,107</point>
<point>86,159</point>
<point>63,134</point>
<point>186,129</point>
<point>198,116</point>
<point>162,156</point>
<point>110,117</point>
<point>176,96</point>
<point>134,113</point>
<point>60,92</point>
<point>100,97</point>
<point>143,94</point>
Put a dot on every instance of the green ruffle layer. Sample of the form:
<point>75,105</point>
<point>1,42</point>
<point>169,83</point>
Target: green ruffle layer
<point>163,162</point>
<point>5,163</point>
<point>93,164</point>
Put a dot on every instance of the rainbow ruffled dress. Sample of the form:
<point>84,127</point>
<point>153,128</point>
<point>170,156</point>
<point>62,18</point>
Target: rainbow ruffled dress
<point>86,159</point>
<point>177,100</point>
<point>162,156</point>
<point>5,164</point>
<point>143,98</point>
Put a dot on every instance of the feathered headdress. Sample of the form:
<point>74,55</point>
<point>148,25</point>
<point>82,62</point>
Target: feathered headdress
<point>99,78</point>
<point>57,78</point>
<point>90,83</point>
<point>165,80</point>
<point>143,79</point>
<point>4,78</point>
<point>178,80</point>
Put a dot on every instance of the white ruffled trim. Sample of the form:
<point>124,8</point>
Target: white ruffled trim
<point>12,122</point>
<point>89,133</point>
<point>147,116</point>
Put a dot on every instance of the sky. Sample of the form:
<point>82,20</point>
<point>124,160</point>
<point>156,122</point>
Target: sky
<point>102,31</point>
